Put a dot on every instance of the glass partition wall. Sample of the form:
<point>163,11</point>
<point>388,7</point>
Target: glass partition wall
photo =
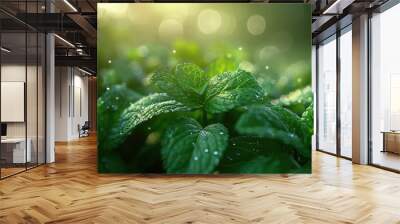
<point>22,77</point>
<point>334,87</point>
<point>327,95</point>
<point>385,89</point>
<point>345,62</point>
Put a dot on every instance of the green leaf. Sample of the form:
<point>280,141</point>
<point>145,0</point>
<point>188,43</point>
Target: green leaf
<point>275,122</point>
<point>246,154</point>
<point>232,89</point>
<point>187,84</point>
<point>189,148</point>
<point>143,110</point>
<point>109,108</point>
<point>308,117</point>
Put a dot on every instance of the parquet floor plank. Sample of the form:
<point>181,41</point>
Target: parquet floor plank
<point>71,191</point>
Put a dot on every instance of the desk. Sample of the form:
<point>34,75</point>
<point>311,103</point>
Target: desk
<point>391,141</point>
<point>15,148</point>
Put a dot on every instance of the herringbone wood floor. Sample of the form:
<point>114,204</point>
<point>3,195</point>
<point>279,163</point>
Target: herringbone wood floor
<point>71,191</point>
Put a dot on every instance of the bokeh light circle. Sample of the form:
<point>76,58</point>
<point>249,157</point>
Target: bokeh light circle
<point>256,24</point>
<point>209,21</point>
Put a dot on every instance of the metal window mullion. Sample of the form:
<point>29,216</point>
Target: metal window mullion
<point>26,87</point>
<point>369,90</point>
<point>317,97</point>
<point>37,91</point>
<point>338,81</point>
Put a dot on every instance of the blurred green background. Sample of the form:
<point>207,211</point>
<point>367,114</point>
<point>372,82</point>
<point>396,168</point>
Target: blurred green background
<point>272,41</point>
<point>140,38</point>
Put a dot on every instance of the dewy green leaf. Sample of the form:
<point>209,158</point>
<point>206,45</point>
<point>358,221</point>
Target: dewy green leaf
<point>187,84</point>
<point>189,148</point>
<point>232,89</point>
<point>143,110</point>
<point>246,154</point>
<point>109,108</point>
<point>308,117</point>
<point>275,122</point>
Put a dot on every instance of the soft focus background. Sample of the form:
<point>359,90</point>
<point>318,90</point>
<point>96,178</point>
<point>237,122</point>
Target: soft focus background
<point>268,41</point>
<point>271,41</point>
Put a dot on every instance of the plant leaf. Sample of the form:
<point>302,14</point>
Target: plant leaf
<point>308,117</point>
<point>109,108</point>
<point>232,89</point>
<point>247,154</point>
<point>187,84</point>
<point>189,148</point>
<point>143,110</point>
<point>275,122</point>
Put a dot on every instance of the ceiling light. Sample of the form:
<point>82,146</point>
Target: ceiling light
<point>70,5</point>
<point>65,41</point>
<point>5,50</point>
<point>84,71</point>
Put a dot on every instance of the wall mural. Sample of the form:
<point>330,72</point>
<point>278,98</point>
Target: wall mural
<point>204,88</point>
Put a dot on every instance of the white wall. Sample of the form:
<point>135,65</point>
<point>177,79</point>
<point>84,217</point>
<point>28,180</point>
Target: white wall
<point>71,102</point>
<point>16,73</point>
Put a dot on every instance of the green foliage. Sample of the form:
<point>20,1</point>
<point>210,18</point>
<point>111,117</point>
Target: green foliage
<point>308,117</point>
<point>133,76</point>
<point>275,122</point>
<point>186,84</point>
<point>298,100</point>
<point>223,92</point>
<point>189,148</point>
<point>141,111</point>
<point>248,154</point>
<point>109,107</point>
<point>232,89</point>
<point>183,127</point>
<point>191,86</point>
